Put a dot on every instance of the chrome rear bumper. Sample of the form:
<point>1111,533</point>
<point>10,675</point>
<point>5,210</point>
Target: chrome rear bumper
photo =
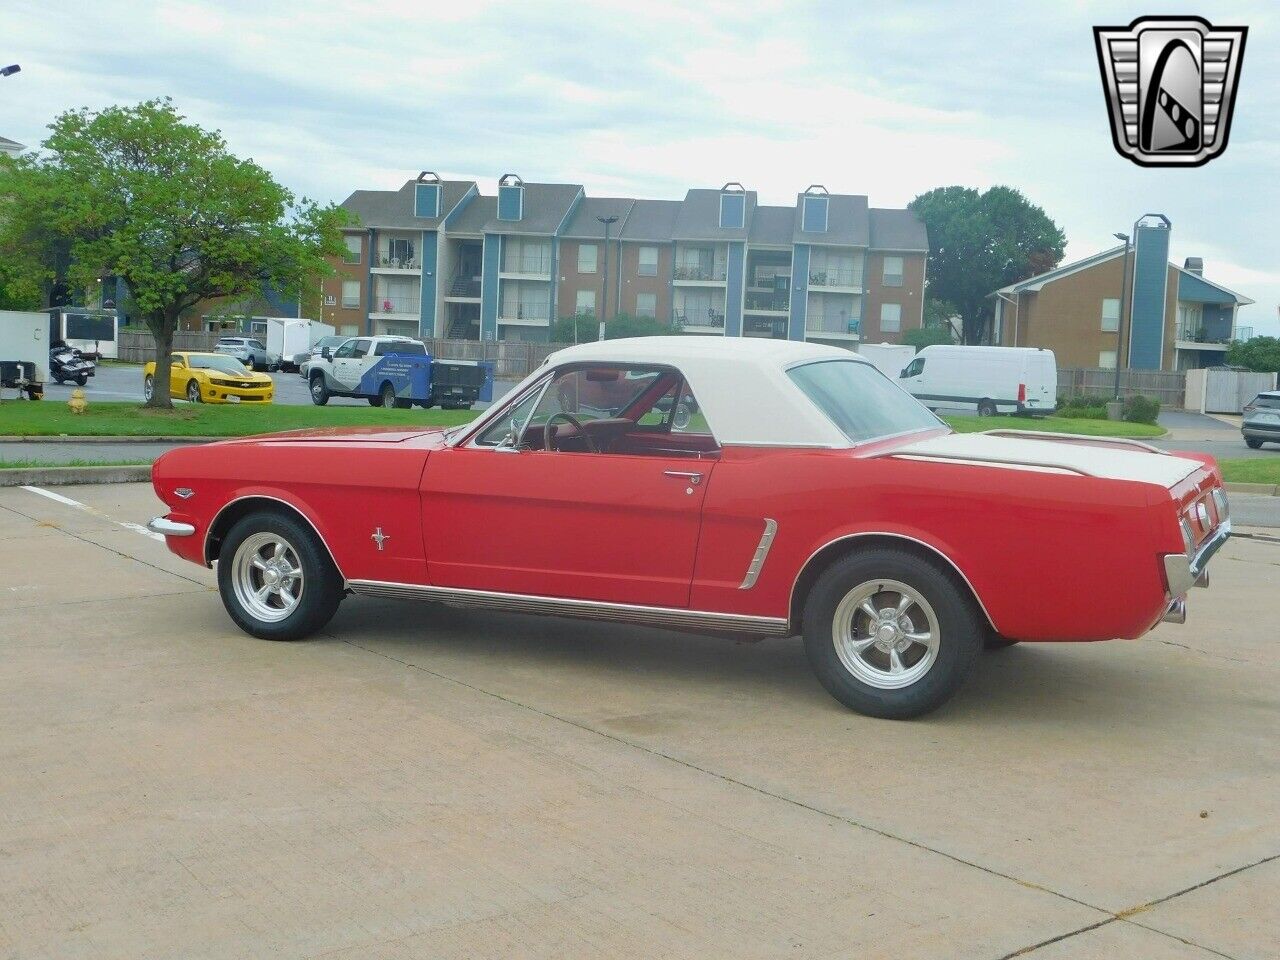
<point>1182,573</point>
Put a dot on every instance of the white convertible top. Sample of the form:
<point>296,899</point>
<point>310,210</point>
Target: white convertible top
<point>740,383</point>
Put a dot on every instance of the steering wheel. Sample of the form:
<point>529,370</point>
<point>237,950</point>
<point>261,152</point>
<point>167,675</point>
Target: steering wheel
<point>548,433</point>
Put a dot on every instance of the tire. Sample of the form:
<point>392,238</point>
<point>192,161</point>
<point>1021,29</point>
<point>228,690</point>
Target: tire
<point>387,396</point>
<point>314,588</point>
<point>59,381</point>
<point>375,400</point>
<point>193,392</point>
<point>865,681</point>
<point>986,408</point>
<point>81,381</point>
<point>319,392</point>
<point>148,387</point>
<point>1253,443</point>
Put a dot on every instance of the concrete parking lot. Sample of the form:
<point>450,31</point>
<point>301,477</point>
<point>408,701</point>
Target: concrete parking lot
<point>427,782</point>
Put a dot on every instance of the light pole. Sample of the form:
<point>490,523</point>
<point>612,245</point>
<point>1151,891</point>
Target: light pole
<point>10,70</point>
<point>604,279</point>
<point>1124,296</point>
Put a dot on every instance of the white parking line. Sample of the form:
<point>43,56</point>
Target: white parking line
<point>67,501</point>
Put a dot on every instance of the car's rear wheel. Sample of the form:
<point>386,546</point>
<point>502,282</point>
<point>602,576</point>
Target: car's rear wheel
<point>319,392</point>
<point>1253,443</point>
<point>276,578</point>
<point>375,400</point>
<point>193,391</point>
<point>81,380</point>
<point>986,409</point>
<point>890,634</point>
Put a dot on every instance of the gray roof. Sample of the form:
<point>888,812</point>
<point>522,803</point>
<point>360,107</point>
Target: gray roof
<point>12,146</point>
<point>585,226</point>
<point>699,217</point>
<point>393,209</point>
<point>651,220</point>
<point>545,207</point>
<point>897,230</point>
<point>772,225</point>
<point>848,223</point>
<point>477,212</point>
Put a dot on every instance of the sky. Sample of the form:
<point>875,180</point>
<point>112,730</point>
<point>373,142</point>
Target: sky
<point>650,98</point>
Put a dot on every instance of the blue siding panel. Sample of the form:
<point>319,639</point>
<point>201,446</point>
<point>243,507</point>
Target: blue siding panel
<point>368,281</point>
<point>733,211</point>
<point>735,275</point>
<point>814,215</point>
<point>489,286</point>
<point>510,203</point>
<point>1150,276</point>
<point>427,315</point>
<point>799,291</point>
<point>1195,290</point>
<point>426,200</point>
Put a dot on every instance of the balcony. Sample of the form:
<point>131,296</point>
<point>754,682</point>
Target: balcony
<point>528,264</point>
<point>840,279</point>
<point>532,314</point>
<point>767,303</point>
<point>396,306</point>
<point>833,325</point>
<point>1190,336</point>
<point>406,263</point>
<point>700,274</point>
<point>708,318</point>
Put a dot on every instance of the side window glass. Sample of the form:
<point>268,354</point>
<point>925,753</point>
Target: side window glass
<point>508,425</point>
<point>346,350</point>
<point>361,348</point>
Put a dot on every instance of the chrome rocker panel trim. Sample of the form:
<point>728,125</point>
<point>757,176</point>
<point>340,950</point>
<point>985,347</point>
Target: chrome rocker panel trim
<point>698,620</point>
<point>170,528</point>
<point>1182,572</point>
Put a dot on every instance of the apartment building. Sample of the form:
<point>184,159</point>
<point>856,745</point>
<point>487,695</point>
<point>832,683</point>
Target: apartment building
<point>438,258</point>
<point>1175,318</point>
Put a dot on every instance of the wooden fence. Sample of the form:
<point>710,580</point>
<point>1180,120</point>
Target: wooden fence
<point>138,346</point>
<point>1167,386</point>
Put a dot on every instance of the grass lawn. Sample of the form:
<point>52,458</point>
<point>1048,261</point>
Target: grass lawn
<point>1092,428</point>
<point>1251,470</point>
<point>35,464</point>
<point>52,418</point>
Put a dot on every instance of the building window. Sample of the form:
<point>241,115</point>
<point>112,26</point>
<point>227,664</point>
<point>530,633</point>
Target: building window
<point>890,317</point>
<point>892,271</point>
<point>1110,315</point>
<point>1107,359</point>
<point>646,304</point>
<point>400,253</point>
<point>351,294</point>
<point>587,253</point>
<point>349,329</point>
<point>585,303</point>
<point>648,262</point>
<point>352,254</point>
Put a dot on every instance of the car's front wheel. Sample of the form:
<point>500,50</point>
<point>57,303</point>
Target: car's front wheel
<point>276,578</point>
<point>193,391</point>
<point>148,387</point>
<point>890,634</point>
<point>1253,443</point>
<point>319,392</point>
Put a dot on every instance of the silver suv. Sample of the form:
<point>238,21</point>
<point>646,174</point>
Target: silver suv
<point>248,351</point>
<point>1261,423</point>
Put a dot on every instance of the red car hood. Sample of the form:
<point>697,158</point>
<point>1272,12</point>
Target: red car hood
<point>344,435</point>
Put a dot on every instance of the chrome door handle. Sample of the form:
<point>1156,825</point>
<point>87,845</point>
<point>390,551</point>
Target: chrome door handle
<point>693,478</point>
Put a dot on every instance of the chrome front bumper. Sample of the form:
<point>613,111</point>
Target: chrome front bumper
<point>1182,572</point>
<point>170,528</point>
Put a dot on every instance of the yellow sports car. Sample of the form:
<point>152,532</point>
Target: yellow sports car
<point>211,378</point>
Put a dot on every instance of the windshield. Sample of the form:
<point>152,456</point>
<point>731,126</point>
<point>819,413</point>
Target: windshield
<point>222,364</point>
<point>329,342</point>
<point>860,400</point>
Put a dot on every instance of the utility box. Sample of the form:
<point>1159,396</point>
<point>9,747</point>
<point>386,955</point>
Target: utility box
<point>24,352</point>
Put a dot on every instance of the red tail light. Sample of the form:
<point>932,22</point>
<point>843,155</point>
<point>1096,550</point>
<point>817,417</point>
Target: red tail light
<point>1022,393</point>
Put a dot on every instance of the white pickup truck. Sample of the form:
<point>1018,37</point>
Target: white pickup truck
<point>393,372</point>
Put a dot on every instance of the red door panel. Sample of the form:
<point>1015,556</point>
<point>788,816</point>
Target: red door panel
<point>578,525</point>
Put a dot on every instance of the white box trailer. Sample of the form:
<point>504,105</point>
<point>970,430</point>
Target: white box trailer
<point>289,338</point>
<point>95,333</point>
<point>983,380</point>
<point>24,352</point>
<point>889,358</point>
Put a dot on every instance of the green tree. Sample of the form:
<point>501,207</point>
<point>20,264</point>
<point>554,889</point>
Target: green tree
<point>1257,353</point>
<point>140,193</point>
<point>979,242</point>
<point>584,327</point>
<point>927,336</point>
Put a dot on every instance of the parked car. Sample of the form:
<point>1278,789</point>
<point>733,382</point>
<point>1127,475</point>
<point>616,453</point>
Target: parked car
<point>810,495</point>
<point>1261,423</point>
<point>394,372</point>
<point>983,380</point>
<point>303,360</point>
<point>248,351</point>
<point>210,378</point>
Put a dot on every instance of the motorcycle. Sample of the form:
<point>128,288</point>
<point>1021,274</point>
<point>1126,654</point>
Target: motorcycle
<point>69,364</point>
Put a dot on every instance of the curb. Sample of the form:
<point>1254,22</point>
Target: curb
<point>63,476</point>
<point>96,438</point>
<point>1266,489</point>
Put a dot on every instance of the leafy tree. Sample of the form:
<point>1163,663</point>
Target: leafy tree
<point>979,242</point>
<point>584,327</point>
<point>1257,353</point>
<point>140,193</point>
<point>927,336</point>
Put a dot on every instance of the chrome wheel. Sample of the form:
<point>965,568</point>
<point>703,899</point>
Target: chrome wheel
<point>193,392</point>
<point>267,577</point>
<point>886,634</point>
<point>148,388</point>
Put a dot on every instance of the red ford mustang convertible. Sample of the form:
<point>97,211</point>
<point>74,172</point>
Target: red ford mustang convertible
<point>731,486</point>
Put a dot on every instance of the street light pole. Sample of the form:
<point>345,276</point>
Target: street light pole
<point>1124,296</point>
<point>604,280</point>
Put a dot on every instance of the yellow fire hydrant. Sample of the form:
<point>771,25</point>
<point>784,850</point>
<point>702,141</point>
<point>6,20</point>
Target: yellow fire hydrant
<point>78,403</point>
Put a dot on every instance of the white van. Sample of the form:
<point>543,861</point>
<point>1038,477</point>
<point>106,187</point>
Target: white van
<point>888,358</point>
<point>983,380</point>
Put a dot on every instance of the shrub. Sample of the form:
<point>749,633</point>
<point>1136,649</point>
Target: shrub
<point>1082,407</point>
<point>1140,409</point>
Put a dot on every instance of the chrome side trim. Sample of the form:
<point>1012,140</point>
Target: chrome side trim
<point>758,558</point>
<point>263,496</point>
<point>1045,435</point>
<point>1181,572</point>
<point>978,458</point>
<point>563,607</point>
<point>170,528</point>
<point>894,536</point>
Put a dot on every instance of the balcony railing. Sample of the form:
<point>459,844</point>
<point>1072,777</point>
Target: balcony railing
<point>698,318</point>
<point>768,301</point>
<point>818,323</point>
<point>1198,333</point>
<point>524,311</point>
<point>405,305</point>
<point>835,278</point>
<point>527,263</point>
<point>687,272</point>
<point>399,263</point>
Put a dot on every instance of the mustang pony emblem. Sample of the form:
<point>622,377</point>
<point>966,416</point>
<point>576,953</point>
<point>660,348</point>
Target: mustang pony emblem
<point>379,537</point>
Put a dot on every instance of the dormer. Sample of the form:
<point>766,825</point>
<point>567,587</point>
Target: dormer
<point>733,206</point>
<point>510,197</point>
<point>814,208</point>
<point>426,194</point>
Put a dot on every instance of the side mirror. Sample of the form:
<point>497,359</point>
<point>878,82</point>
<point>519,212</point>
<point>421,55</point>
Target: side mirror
<point>324,352</point>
